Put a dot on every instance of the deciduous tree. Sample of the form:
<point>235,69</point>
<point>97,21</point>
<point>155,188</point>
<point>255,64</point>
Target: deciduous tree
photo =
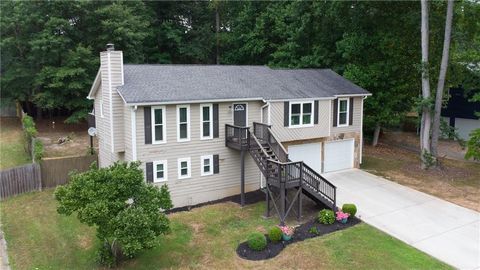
<point>127,212</point>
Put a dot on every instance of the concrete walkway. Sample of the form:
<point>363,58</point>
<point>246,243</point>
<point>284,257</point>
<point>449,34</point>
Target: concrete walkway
<point>444,230</point>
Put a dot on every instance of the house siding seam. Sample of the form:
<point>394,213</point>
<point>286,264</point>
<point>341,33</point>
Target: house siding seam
<point>199,188</point>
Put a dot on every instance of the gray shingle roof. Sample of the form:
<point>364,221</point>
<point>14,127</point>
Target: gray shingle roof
<point>169,83</point>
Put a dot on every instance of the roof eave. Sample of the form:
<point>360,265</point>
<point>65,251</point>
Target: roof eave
<point>95,86</point>
<point>353,95</point>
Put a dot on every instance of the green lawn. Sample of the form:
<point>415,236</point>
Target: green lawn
<point>205,237</point>
<point>12,151</point>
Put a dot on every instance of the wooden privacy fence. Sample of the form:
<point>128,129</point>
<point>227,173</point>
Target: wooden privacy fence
<point>20,180</point>
<point>55,171</point>
<point>48,173</point>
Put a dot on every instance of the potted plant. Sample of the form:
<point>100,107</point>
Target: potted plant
<point>287,232</point>
<point>342,217</point>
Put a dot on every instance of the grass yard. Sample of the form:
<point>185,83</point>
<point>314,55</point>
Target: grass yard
<point>205,238</point>
<point>12,152</point>
<point>455,181</point>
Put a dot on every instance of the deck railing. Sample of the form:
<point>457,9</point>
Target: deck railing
<point>284,172</point>
<point>319,184</point>
<point>237,137</point>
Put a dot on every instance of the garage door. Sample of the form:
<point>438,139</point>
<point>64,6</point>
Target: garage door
<point>338,155</point>
<point>309,153</point>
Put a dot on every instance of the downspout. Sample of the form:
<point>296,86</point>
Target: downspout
<point>134,134</point>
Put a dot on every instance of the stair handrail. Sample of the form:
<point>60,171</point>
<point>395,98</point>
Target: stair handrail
<point>319,175</point>
<point>273,136</point>
<point>259,144</point>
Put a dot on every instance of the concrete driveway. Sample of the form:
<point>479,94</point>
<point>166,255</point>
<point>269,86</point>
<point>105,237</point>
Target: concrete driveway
<point>444,230</point>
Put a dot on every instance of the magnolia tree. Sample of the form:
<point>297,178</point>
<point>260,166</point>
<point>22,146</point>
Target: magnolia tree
<point>127,212</point>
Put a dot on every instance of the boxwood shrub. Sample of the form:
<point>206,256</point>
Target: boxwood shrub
<point>349,208</point>
<point>275,234</point>
<point>326,216</point>
<point>257,241</point>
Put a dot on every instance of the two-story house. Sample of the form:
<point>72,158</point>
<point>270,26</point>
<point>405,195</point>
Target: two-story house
<point>181,121</point>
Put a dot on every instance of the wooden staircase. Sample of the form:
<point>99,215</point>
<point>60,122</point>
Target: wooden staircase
<point>280,172</point>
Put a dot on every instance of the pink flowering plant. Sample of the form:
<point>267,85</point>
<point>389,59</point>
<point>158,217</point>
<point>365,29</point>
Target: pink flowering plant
<point>341,215</point>
<point>287,230</point>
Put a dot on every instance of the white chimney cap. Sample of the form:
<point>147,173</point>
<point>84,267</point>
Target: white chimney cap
<point>110,47</point>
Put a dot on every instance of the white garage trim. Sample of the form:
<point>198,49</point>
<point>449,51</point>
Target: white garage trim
<point>339,155</point>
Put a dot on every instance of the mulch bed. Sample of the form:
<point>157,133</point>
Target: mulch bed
<point>250,198</point>
<point>301,233</point>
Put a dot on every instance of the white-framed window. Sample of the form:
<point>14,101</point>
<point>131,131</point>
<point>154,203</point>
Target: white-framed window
<point>301,114</point>
<point>160,171</point>
<point>206,121</point>
<point>159,134</point>
<point>101,108</point>
<point>206,165</point>
<point>183,123</point>
<point>343,107</point>
<point>184,168</point>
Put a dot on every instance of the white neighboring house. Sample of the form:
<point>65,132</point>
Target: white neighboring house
<point>460,113</point>
<point>175,120</point>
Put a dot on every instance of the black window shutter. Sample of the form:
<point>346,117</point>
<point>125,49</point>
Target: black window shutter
<point>286,115</point>
<point>215,121</point>
<point>216,164</point>
<point>315,111</point>
<point>350,111</point>
<point>149,172</point>
<point>147,116</point>
<point>335,111</point>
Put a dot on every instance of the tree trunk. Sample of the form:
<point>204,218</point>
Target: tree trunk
<point>426,114</point>
<point>441,78</point>
<point>376,134</point>
<point>217,28</point>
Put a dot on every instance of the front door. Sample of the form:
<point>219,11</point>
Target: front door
<point>240,119</point>
<point>240,114</point>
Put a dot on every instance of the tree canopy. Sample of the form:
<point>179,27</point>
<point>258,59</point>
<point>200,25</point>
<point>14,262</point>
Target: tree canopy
<point>50,49</point>
<point>127,212</point>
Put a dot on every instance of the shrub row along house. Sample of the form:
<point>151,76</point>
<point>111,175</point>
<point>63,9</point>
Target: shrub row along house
<point>191,125</point>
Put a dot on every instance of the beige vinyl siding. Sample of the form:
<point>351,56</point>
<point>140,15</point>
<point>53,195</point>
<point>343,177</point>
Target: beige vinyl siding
<point>127,124</point>
<point>300,133</point>
<point>198,189</point>
<point>103,128</point>
<point>357,115</point>
<point>112,124</point>
<point>116,76</point>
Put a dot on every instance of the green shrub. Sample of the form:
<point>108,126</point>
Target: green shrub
<point>29,128</point>
<point>349,208</point>
<point>326,216</point>
<point>257,241</point>
<point>38,150</point>
<point>313,230</point>
<point>473,145</point>
<point>275,234</point>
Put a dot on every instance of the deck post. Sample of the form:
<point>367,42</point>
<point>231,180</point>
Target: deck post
<point>267,195</point>
<point>242,178</point>
<point>282,196</point>
<point>299,199</point>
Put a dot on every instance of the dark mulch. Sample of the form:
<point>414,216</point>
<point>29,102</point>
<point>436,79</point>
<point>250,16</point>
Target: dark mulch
<point>301,233</point>
<point>250,198</point>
